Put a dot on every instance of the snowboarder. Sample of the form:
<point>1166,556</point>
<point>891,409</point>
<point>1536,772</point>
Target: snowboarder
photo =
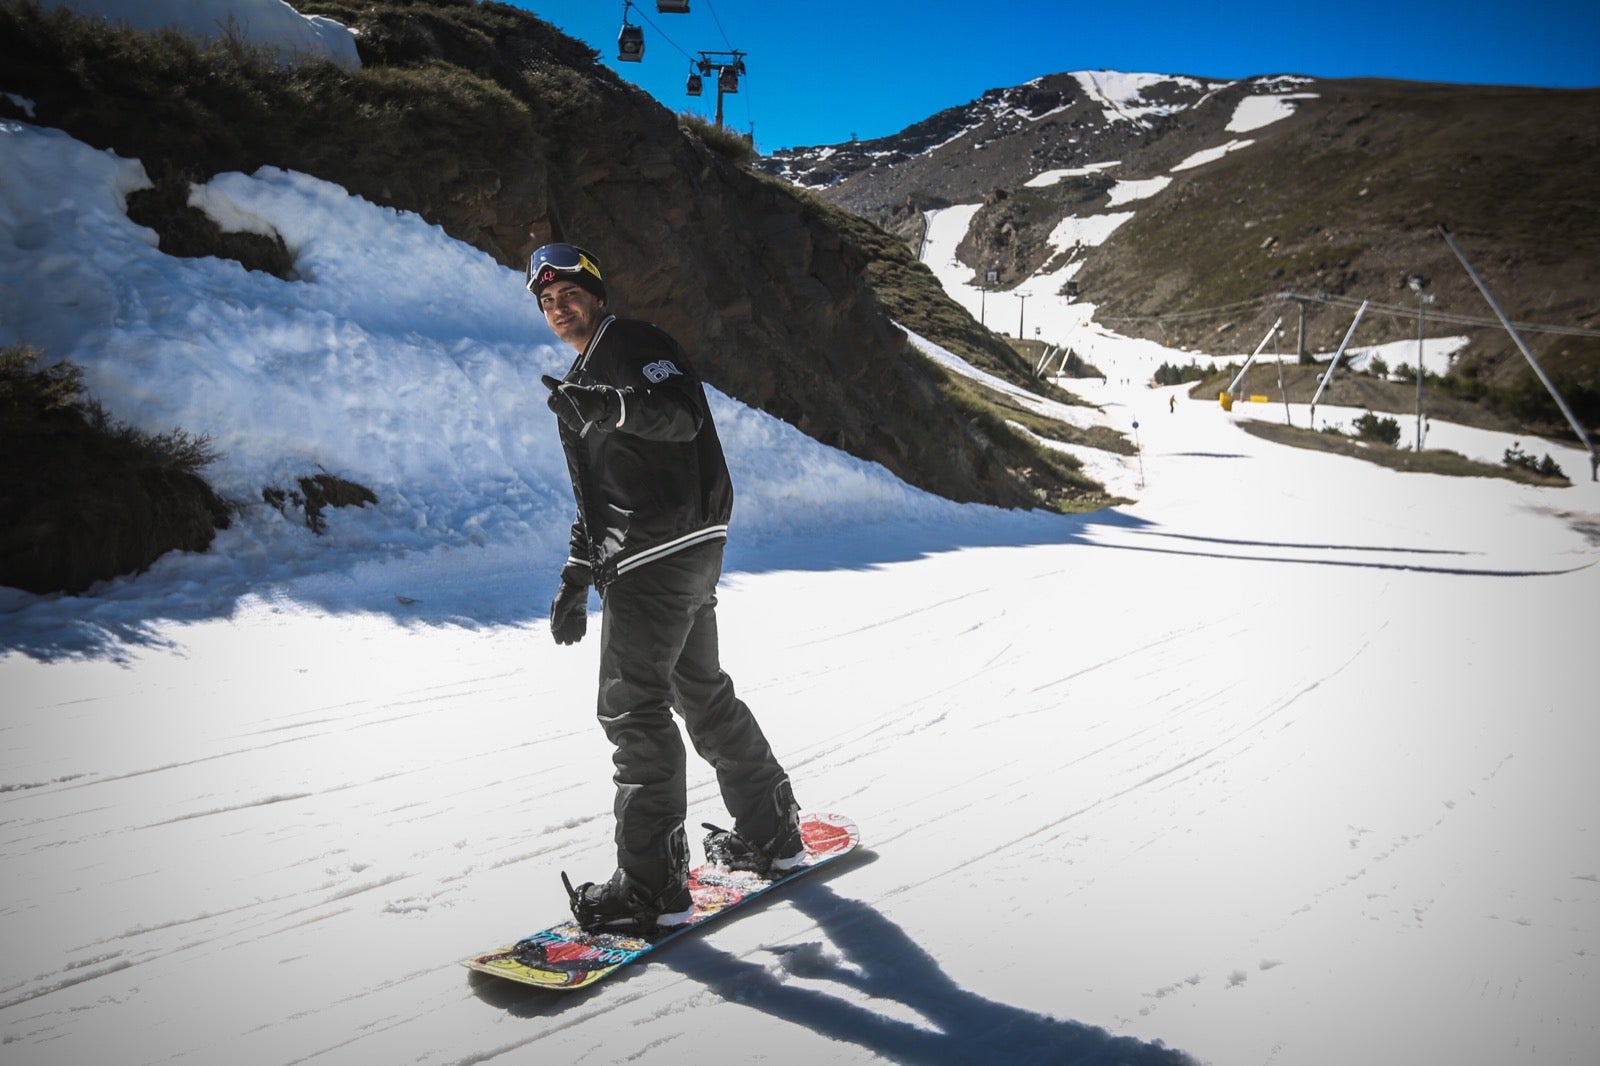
<point>653,502</point>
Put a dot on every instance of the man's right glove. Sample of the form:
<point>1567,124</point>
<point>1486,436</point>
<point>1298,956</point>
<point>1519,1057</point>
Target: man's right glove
<point>582,407</point>
<point>569,611</point>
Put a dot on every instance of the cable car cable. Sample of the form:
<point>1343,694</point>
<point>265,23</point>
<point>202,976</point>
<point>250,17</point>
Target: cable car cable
<point>712,8</point>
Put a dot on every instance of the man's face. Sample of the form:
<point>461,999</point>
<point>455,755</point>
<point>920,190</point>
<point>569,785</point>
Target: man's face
<point>572,311</point>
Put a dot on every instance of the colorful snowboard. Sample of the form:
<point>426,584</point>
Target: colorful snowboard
<point>564,957</point>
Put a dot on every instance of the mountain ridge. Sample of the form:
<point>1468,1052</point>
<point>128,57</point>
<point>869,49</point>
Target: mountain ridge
<point>1340,194</point>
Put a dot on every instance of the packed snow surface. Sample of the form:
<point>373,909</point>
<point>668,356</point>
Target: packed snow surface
<point>1288,761</point>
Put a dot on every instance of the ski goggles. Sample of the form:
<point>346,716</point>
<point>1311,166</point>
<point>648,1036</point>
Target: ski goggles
<point>553,262</point>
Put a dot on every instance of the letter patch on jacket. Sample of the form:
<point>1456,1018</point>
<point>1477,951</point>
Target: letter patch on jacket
<point>660,371</point>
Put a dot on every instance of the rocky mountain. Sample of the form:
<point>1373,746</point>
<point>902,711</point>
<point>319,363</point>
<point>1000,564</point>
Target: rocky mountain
<point>1220,197</point>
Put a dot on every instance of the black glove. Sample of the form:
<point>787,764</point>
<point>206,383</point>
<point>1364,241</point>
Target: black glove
<point>581,407</point>
<point>569,611</point>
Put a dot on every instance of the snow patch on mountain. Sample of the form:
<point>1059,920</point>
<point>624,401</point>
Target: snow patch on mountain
<point>1125,192</point>
<point>1211,155</point>
<point>1254,112</point>
<point>1054,177</point>
<point>1123,96</point>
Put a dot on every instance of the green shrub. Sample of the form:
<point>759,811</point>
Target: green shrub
<point>1546,467</point>
<point>1370,427</point>
<point>31,395</point>
<point>735,147</point>
<point>84,498</point>
<point>1168,374</point>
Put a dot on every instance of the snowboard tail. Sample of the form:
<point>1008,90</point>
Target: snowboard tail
<point>564,957</point>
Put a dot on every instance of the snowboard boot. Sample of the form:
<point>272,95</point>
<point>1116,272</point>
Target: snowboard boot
<point>780,850</point>
<point>633,905</point>
<point>729,850</point>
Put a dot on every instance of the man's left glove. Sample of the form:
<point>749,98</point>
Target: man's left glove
<point>569,611</point>
<point>581,407</point>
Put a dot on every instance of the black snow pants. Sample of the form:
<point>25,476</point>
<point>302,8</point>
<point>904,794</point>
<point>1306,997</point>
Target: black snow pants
<point>658,651</point>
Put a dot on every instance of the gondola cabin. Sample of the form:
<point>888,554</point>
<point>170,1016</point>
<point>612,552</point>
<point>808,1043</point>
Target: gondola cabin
<point>696,84</point>
<point>672,7</point>
<point>630,44</point>
<point>728,80</point>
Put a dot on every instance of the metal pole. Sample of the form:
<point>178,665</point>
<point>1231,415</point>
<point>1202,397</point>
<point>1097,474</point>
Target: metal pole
<point>1594,457</point>
<point>1300,355</point>
<point>1422,302</point>
<point>1326,378</point>
<point>1234,384</point>
<point>1288,412</point>
<point>1138,451</point>
<point>1022,305</point>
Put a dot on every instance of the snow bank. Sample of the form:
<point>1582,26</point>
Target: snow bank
<point>396,357</point>
<point>270,24</point>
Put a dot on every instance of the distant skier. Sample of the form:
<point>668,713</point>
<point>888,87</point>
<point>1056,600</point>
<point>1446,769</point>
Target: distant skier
<point>654,499</point>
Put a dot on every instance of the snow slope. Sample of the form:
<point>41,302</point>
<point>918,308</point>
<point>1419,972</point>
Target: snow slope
<point>270,24</point>
<point>1288,762</point>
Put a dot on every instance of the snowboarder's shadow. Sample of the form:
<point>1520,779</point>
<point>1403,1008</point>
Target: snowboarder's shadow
<point>866,953</point>
<point>863,952</point>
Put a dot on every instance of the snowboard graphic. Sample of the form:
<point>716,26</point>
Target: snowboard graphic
<point>564,957</point>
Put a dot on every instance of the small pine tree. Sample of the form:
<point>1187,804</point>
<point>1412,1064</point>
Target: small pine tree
<point>1546,467</point>
<point>1370,427</point>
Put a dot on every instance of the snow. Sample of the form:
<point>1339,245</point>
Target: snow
<point>1053,177</point>
<point>270,24</point>
<point>1438,353</point>
<point>1289,761</point>
<point>1121,94</point>
<point>1126,192</point>
<point>1254,112</point>
<point>1211,155</point>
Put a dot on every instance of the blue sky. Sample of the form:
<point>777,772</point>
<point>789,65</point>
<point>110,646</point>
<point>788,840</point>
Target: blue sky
<point>822,71</point>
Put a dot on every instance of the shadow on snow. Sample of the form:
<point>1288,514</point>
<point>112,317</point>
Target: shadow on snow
<point>871,960</point>
<point>511,584</point>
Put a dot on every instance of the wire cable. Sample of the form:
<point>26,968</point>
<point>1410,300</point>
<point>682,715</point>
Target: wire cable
<point>1351,302</point>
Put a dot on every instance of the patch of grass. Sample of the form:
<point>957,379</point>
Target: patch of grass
<point>1428,461</point>
<point>35,398</point>
<point>315,495</point>
<point>736,147</point>
<point>993,413</point>
<point>84,497</point>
